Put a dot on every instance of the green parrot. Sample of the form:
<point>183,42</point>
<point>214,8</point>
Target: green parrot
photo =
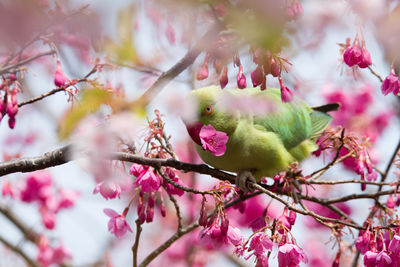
<point>264,135</point>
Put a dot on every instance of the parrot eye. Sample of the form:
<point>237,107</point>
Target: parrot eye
<point>208,109</point>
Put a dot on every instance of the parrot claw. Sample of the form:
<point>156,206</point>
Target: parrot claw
<point>242,180</point>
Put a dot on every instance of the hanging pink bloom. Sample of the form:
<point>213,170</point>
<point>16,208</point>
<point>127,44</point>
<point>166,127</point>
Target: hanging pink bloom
<point>291,255</point>
<point>202,72</point>
<point>117,224</point>
<point>170,33</point>
<point>48,219</point>
<point>149,181</point>
<point>391,84</point>
<point>241,79</point>
<point>353,55</point>
<point>365,58</point>
<point>260,244</point>
<point>257,76</point>
<point>394,245</point>
<point>223,80</point>
<point>138,170</point>
<point>275,68</point>
<point>213,140</point>
<point>45,255</point>
<point>286,94</point>
<point>7,189</point>
<point>390,203</point>
<point>370,258</point>
<point>59,78</point>
<point>363,241</point>
<point>383,259</point>
<point>213,236</point>
<point>60,254</point>
<point>67,198</point>
<point>108,189</point>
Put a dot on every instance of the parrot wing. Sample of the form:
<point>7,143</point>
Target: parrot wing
<point>294,122</point>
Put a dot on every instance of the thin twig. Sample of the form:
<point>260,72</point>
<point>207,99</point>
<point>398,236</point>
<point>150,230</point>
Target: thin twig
<point>178,212</point>
<point>184,188</point>
<point>20,252</point>
<point>203,44</point>
<point>56,90</point>
<point>25,61</point>
<point>376,74</point>
<point>135,246</point>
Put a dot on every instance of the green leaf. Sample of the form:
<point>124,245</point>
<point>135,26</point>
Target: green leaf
<point>90,102</point>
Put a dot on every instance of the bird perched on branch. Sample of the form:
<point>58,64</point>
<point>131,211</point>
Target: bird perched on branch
<point>251,132</point>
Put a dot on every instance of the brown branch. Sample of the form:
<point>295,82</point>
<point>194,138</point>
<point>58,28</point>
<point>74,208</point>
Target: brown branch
<point>349,182</point>
<point>12,67</point>
<point>20,252</point>
<point>203,44</point>
<point>50,159</point>
<point>186,189</point>
<point>135,246</point>
<point>178,212</point>
<point>28,232</point>
<point>59,89</point>
<point>375,74</point>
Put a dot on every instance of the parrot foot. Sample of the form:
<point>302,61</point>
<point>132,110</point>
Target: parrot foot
<point>242,180</point>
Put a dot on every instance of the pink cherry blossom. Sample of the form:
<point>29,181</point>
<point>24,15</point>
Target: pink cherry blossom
<point>108,189</point>
<point>67,198</point>
<point>7,189</point>
<point>60,254</point>
<point>117,224</point>
<point>290,255</point>
<point>353,55</point>
<point>394,245</point>
<point>391,84</point>
<point>35,186</point>
<point>138,170</point>
<point>257,76</point>
<point>241,79</point>
<point>383,259</point>
<point>223,80</point>
<point>149,181</point>
<point>213,236</point>
<point>370,258</point>
<point>59,78</point>
<point>202,72</point>
<point>365,59</point>
<point>286,94</point>
<point>260,244</point>
<point>213,140</point>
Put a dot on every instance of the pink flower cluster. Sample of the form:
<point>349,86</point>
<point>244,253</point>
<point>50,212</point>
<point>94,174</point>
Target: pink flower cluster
<point>39,188</point>
<point>357,55</point>
<point>379,249</point>
<point>146,178</point>
<point>355,113</point>
<point>218,231</point>
<point>11,105</point>
<point>108,189</point>
<point>48,255</point>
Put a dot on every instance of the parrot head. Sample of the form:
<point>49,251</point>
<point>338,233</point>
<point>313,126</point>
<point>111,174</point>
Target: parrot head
<point>207,112</point>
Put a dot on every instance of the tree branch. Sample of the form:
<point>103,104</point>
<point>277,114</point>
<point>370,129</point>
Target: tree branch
<point>20,252</point>
<point>25,61</point>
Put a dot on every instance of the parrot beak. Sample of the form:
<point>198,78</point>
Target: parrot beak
<point>194,131</point>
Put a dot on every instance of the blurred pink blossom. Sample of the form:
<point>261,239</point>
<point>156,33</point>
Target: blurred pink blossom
<point>117,224</point>
<point>291,255</point>
<point>108,189</point>
<point>59,78</point>
<point>391,84</point>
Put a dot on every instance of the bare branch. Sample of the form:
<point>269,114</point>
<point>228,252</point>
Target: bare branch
<point>135,246</point>
<point>20,252</point>
<point>13,67</point>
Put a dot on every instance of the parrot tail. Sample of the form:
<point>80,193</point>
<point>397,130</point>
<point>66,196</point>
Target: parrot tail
<point>327,108</point>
